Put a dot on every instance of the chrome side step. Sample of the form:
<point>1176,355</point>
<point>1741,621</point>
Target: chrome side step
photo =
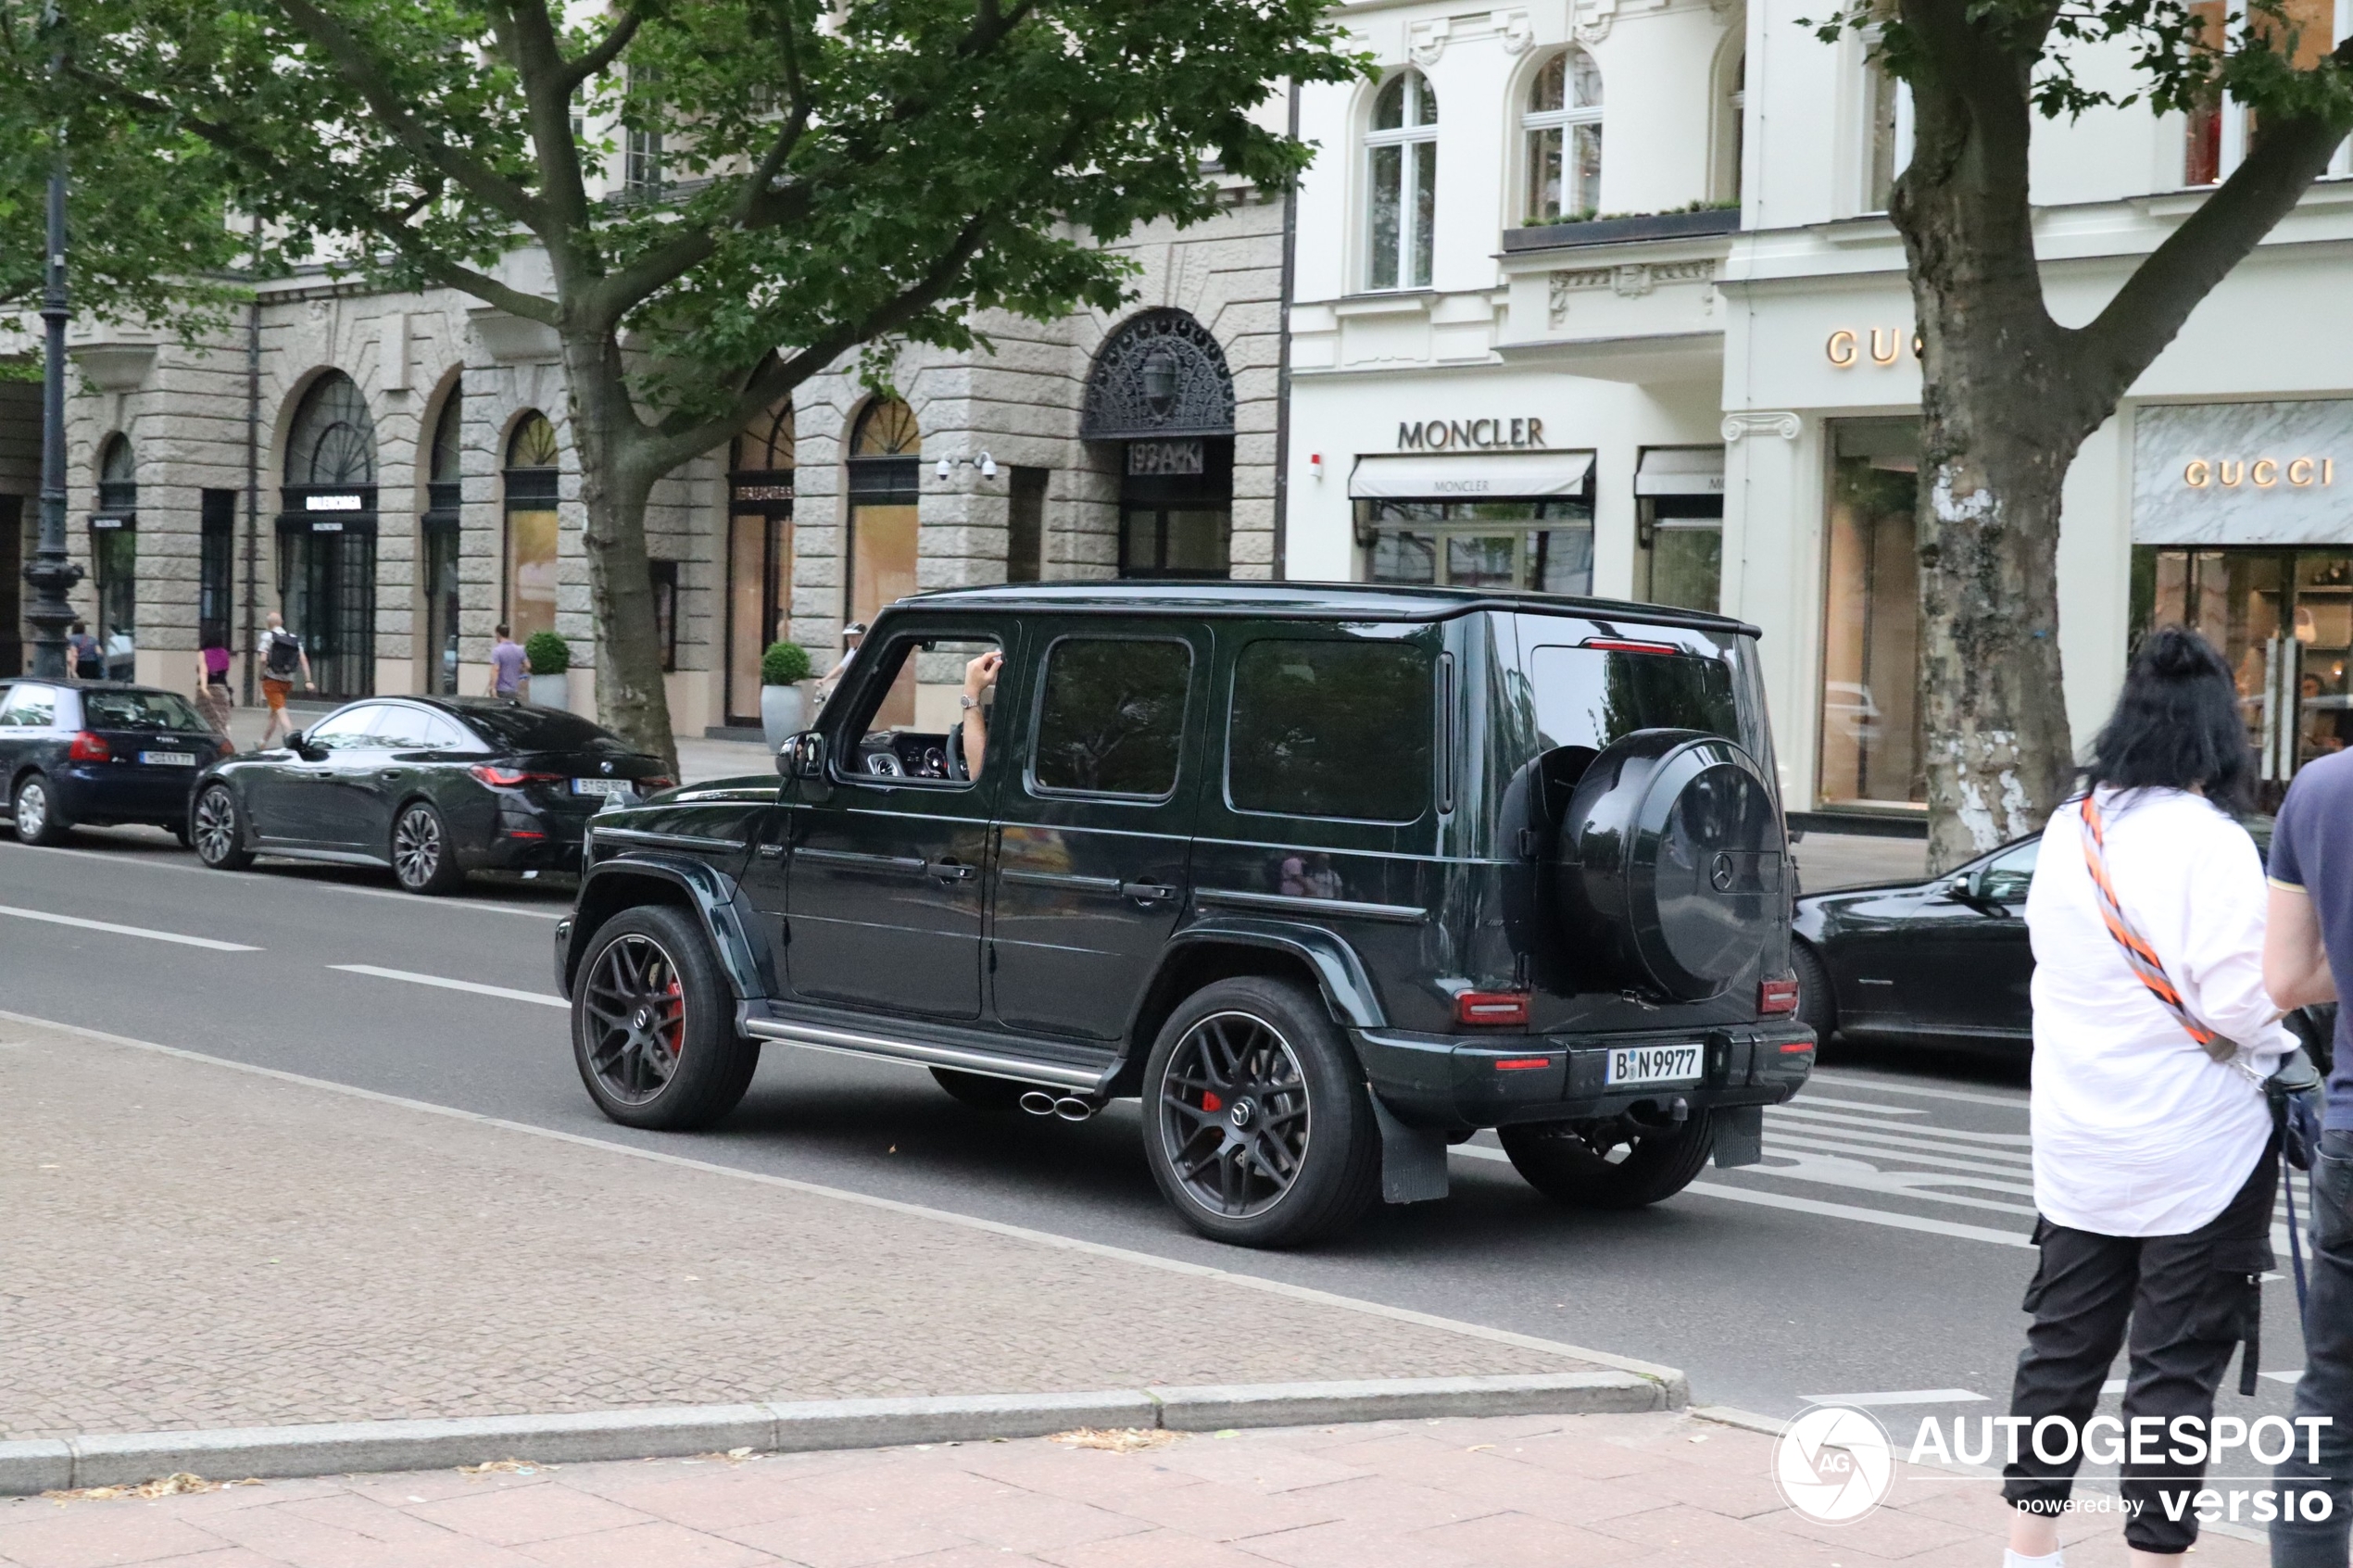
<point>814,1037</point>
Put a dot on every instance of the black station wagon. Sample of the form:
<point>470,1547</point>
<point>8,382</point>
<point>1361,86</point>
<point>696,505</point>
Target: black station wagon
<point>1330,876</point>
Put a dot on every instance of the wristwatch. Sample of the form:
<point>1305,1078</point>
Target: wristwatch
<point>968,701</point>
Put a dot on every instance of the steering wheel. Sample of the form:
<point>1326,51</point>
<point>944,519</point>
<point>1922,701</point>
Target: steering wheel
<point>956,768</point>
<point>884,764</point>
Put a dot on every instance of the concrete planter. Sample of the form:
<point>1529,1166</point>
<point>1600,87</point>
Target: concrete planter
<point>784,710</point>
<point>552,691</point>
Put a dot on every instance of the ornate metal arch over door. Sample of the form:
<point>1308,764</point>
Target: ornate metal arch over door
<point>1161,374</point>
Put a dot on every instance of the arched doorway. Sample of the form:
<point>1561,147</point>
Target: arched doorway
<point>114,557</point>
<point>1160,390</point>
<point>438,652</point>
<point>327,536</point>
<point>886,464</point>
<point>760,492</point>
<point>532,480</point>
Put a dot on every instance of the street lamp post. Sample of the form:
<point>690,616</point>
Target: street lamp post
<point>52,573</point>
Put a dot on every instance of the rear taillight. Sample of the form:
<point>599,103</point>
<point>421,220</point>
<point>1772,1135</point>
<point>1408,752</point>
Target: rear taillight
<point>1490,1010</point>
<point>650,787</point>
<point>509,778</point>
<point>228,747</point>
<point>1777,996</point>
<point>88,748</point>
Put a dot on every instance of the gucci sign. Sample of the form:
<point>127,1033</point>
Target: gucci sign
<point>1845,347</point>
<point>2263,473</point>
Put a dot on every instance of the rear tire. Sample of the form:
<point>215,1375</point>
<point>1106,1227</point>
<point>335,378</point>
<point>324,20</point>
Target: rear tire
<point>1559,1162</point>
<point>217,830</point>
<point>35,810</point>
<point>997,1097</point>
<point>423,861</point>
<point>1257,1124</point>
<point>653,1024</point>
<point>1816,1003</point>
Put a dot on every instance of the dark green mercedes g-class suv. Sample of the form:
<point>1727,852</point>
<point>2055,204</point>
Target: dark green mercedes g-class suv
<point>1330,876</point>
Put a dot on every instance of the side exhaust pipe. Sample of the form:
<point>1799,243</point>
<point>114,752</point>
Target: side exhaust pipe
<point>1070,1107</point>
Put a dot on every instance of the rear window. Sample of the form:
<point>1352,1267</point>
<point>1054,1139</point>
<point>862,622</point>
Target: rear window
<point>1592,697</point>
<point>1331,728</point>
<point>139,711</point>
<point>538,729</point>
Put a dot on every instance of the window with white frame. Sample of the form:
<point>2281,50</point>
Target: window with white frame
<point>1401,154</point>
<point>1563,126</point>
<point>1888,120</point>
<point>1731,112</point>
<point>2219,129</point>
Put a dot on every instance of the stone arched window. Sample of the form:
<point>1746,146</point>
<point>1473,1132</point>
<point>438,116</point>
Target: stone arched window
<point>443,463</point>
<point>760,546</point>
<point>438,652</point>
<point>335,439</point>
<point>118,475</point>
<point>886,474</point>
<point>1401,182</point>
<point>531,480</point>
<point>886,428</point>
<point>1562,123</point>
<point>1161,387</point>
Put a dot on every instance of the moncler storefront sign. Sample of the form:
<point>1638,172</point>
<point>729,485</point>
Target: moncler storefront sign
<point>2243,473</point>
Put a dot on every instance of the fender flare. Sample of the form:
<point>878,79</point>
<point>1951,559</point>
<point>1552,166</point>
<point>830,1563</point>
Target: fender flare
<point>1340,973</point>
<point>711,893</point>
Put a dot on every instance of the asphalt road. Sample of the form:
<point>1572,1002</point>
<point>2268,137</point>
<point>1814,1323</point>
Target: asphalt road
<point>1880,1251</point>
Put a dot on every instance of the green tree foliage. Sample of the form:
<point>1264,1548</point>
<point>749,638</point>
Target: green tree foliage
<point>831,178</point>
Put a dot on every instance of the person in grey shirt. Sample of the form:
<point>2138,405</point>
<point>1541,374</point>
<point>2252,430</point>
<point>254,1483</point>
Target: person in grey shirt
<point>506,667</point>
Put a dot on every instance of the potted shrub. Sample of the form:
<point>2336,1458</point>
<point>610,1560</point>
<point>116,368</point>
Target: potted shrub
<point>784,708</point>
<point>549,657</point>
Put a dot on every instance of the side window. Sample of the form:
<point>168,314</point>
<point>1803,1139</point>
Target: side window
<point>912,722</point>
<point>1111,718</point>
<point>346,731</point>
<point>404,729</point>
<point>30,708</point>
<point>445,733</point>
<point>1331,728</point>
<point>2007,878</point>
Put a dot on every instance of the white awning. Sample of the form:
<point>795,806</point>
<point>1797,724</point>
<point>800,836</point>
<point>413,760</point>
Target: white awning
<point>1680,471</point>
<point>1486,477</point>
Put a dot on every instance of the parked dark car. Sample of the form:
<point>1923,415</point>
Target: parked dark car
<point>98,753</point>
<point>1329,876</point>
<point>1942,960</point>
<point>432,787</point>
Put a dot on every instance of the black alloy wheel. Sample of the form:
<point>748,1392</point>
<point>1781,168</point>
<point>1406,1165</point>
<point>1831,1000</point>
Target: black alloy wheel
<point>1605,1167</point>
<point>1257,1124</point>
<point>653,1024</point>
<point>422,857</point>
<point>36,813</point>
<point>217,830</point>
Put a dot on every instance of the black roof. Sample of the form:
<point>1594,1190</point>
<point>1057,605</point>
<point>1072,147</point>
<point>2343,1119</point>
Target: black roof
<point>1347,601</point>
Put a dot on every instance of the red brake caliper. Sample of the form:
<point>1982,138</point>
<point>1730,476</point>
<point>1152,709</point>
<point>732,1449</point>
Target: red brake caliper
<point>1210,1103</point>
<point>677,1029</point>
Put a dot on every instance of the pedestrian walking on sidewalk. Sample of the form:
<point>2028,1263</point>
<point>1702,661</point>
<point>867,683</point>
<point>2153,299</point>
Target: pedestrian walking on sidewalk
<point>212,682</point>
<point>2307,959</point>
<point>506,667</point>
<point>89,658</point>
<point>2155,1163</point>
<point>282,659</point>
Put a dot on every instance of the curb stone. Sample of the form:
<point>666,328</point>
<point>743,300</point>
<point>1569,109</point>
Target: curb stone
<point>56,1464</point>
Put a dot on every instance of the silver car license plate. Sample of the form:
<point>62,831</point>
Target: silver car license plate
<point>168,759</point>
<point>1652,1064</point>
<point>602,786</point>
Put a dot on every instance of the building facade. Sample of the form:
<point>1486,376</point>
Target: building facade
<point>394,473</point>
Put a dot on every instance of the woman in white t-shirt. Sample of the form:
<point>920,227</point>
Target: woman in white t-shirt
<point>2154,1165</point>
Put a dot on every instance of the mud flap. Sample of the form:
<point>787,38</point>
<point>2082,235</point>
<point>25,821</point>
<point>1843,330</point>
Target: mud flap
<point>1412,1160</point>
<point>1740,1136</point>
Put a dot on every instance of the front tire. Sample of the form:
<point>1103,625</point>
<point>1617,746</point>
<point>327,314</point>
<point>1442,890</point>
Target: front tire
<point>1572,1167</point>
<point>217,830</point>
<point>35,810</point>
<point>1816,1003</point>
<point>653,1024</point>
<point>1257,1124</point>
<point>423,861</point>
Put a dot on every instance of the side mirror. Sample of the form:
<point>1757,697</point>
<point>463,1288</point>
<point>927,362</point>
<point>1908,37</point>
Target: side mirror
<point>802,756</point>
<point>293,741</point>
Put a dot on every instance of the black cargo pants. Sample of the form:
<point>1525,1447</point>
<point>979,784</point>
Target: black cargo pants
<point>2326,1389</point>
<point>2188,1299</point>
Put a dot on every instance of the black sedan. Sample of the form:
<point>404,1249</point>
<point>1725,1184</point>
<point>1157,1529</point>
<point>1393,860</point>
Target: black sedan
<point>1944,960</point>
<point>96,753</point>
<point>432,787</point>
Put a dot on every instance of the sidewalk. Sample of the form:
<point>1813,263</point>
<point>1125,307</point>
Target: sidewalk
<point>1657,1491</point>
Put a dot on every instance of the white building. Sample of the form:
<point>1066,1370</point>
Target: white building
<point>1717,405</point>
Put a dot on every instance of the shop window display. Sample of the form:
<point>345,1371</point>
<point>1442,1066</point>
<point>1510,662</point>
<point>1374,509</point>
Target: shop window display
<point>1871,726</point>
<point>1543,546</point>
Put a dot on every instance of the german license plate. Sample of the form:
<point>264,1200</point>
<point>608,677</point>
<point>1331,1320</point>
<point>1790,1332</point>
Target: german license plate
<point>602,786</point>
<point>1652,1064</point>
<point>168,759</point>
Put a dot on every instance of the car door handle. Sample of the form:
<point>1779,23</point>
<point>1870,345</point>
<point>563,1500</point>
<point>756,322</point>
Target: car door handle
<point>950,870</point>
<point>1147,892</point>
<point>389,774</point>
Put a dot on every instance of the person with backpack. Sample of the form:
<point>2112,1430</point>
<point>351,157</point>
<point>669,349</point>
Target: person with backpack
<point>89,657</point>
<point>2155,1162</point>
<point>282,659</point>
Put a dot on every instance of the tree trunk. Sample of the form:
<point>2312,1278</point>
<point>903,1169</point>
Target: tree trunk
<point>630,698</point>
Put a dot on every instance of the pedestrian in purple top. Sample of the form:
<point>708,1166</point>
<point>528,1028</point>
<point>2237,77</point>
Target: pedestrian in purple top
<point>506,667</point>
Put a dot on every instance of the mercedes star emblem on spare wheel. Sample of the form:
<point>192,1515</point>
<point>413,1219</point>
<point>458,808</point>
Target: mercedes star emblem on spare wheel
<point>1720,874</point>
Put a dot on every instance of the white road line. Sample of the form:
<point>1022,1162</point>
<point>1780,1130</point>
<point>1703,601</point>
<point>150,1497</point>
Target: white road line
<point>1827,1171</point>
<point>1885,1086</point>
<point>1860,1105</point>
<point>542,997</point>
<point>210,943</point>
<point>1925,1130</point>
<point>1900,1396</point>
<point>2005,1164</point>
<point>1917,1139</point>
<point>413,899</point>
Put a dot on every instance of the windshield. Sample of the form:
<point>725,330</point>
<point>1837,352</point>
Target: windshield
<point>538,729</point>
<point>139,711</point>
<point>1592,697</point>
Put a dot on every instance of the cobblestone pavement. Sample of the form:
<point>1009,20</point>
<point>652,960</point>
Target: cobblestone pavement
<point>191,1245</point>
<point>1583,1492</point>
